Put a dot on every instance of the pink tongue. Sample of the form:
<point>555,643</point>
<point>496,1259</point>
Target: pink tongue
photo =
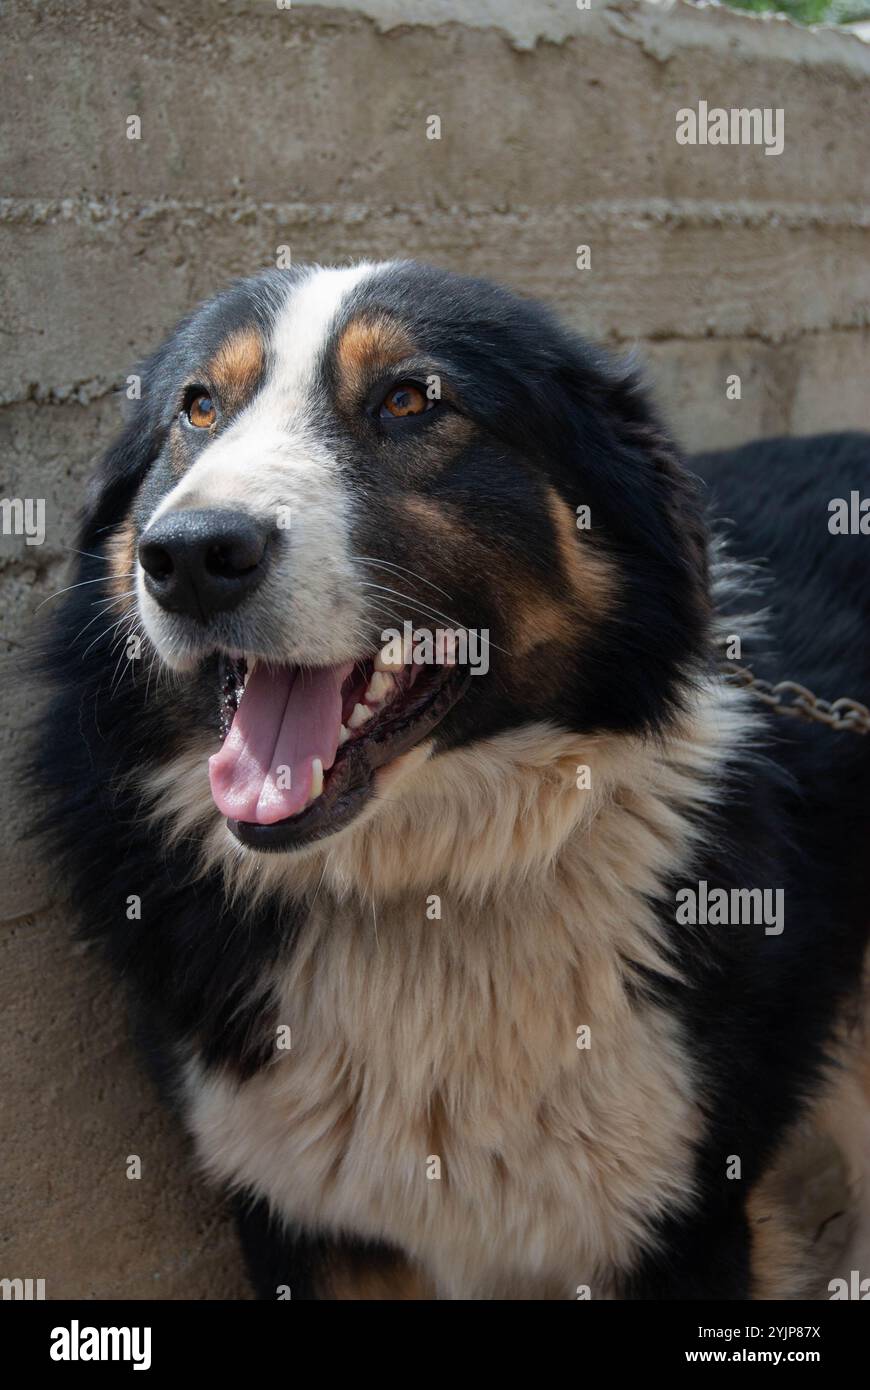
<point>286,719</point>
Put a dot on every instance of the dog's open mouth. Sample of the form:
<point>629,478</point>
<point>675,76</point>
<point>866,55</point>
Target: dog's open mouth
<point>301,745</point>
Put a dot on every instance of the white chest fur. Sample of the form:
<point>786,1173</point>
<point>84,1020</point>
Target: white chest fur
<point>434,1095</point>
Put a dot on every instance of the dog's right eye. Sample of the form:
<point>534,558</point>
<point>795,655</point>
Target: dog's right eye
<point>200,410</point>
<point>406,398</point>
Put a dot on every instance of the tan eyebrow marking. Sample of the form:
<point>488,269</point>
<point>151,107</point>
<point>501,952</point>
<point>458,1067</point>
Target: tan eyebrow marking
<point>237,367</point>
<point>368,345</point>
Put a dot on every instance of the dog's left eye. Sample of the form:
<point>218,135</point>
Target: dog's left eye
<point>201,410</point>
<point>407,398</point>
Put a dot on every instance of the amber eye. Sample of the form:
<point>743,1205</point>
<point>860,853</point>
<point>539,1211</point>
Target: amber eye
<point>201,410</point>
<point>405,399</point>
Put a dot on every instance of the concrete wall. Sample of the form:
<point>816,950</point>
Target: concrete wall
<point>306,127</point>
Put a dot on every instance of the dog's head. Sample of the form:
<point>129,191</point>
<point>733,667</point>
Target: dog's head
<point>384,511</point>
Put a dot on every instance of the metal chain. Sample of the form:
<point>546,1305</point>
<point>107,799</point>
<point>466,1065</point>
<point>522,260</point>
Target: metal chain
<point>787,697</point>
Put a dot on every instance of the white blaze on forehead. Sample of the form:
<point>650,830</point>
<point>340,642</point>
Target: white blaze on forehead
<point>302,330</point>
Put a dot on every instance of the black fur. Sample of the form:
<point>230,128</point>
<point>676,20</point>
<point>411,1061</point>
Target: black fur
<point>762,1007</point>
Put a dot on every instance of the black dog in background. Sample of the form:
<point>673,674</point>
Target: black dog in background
<point>425,952</point>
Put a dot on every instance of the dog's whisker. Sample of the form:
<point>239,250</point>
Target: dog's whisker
<point>388,565</point>
<point>118,674</point>
<point>431,613</point>
<point>103,579</point>
<point>413,603</point>
<point>105,605</point>
<point>151,665</point>
<point>89,554</point>
<point>104,633</point>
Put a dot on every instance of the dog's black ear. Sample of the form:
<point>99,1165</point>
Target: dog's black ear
<point>642,428</point>
<point>650,499</point>
<point>647,515</point>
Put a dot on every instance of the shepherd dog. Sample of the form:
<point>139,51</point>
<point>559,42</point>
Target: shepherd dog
<point>489,939</point>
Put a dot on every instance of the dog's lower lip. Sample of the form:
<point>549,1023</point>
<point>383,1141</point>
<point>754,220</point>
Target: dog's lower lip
<point>350,782</point>
<point>324,816</point>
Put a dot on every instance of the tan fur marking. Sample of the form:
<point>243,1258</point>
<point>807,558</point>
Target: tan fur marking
<point>394,1280</point>
<point>537,615</point>
<point>843,1115</point>
<point>537,620</point>
<point>590,574</point>
<point>236,367</point>
<point>541,617</point>
<point>121,558</point>
<point>810,1214</point>
<point>781,1254</point>
<point>369,345</point>
<point>432,516</point>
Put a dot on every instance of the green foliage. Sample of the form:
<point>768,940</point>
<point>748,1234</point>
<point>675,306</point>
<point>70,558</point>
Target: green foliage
<point>809,11</point>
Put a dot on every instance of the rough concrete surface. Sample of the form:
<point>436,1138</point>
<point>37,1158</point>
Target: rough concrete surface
<point>306,127</point>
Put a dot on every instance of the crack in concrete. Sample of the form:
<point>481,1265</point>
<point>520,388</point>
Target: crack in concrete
<point>109,212</point>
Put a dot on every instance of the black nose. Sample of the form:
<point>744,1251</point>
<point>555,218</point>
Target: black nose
<point>203,562</point>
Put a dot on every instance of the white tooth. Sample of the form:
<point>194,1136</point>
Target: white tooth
<point>359,717</point>
<point>383,664</point>
<point>379,687</point>
<point>343,735</point>
<point>316,779</point>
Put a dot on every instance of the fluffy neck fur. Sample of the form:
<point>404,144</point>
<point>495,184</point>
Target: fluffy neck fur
<point>483,821</point>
